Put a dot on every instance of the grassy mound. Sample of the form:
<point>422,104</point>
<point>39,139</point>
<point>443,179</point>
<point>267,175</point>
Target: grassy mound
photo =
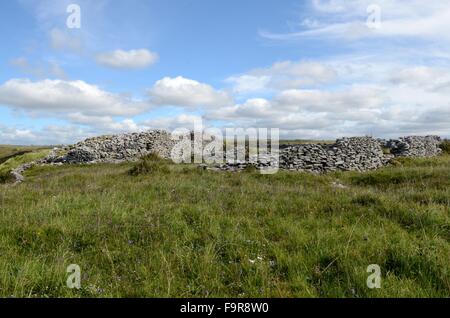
<point>8,152</point>
<point>20,159</point>
<point>12,160</point>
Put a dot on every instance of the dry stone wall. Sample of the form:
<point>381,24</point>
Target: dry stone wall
<point>348,154</point>
<point>358,154</point>
<point>118,148</point>
<point>414,146</point>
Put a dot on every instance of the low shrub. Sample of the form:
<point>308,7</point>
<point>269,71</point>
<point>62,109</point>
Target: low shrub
<point>153,157</point>
<point>250,169</point>
<point>6,177</point>
<point>395,162</point>
<point>151,163</point>
<point>445,146</point>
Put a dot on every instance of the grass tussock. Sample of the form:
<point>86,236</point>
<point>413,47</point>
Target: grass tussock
<point>6,177</point>
<point>186,232</point>
<point>150,164</point>
<point>445,146</point>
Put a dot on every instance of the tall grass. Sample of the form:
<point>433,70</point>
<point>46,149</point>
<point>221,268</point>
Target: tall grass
<point>185,232</point>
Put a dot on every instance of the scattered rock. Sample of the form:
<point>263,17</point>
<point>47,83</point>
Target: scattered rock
<point>338,185</point>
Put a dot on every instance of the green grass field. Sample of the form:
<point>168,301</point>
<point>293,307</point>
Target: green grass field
<point>7,152</point>
<point>178,231</point>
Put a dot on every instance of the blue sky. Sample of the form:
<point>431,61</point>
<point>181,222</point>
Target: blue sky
<point>313,68</point>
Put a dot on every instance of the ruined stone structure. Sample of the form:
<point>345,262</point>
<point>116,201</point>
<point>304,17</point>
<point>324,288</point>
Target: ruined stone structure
<point>414,146</point>
<point>358,154</point>
<point>118,148</point>
<point>347,154</point>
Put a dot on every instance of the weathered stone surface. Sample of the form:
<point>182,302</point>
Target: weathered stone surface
<point>350,154</point>
<point>347,154</point>
<point>118,148</point>
<point>414,146</point>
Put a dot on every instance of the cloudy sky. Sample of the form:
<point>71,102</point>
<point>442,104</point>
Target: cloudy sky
<point>313,68</point>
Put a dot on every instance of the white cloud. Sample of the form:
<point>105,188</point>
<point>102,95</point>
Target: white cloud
<point>283,75</point>
<point>62,97</point>
<point>41,70</point>
<point>357,97</point>
<point>249,83</point>
<point>20,62</point>
<point>16,136</point>
<point>65,41</point>
<point>57,71</point>
<point>173,122</point>
<point>106,124</point>
<point>316,72</point>
<point>423,77</point>
<point>296,102</point>
<point>346,19</point>
<point>329,6</point>
<point>133,59</point>
<point>255,108</point>
<point>48,135</point>
<point>78,128</point>
<point>187,93</point>
<point>390,100</point>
